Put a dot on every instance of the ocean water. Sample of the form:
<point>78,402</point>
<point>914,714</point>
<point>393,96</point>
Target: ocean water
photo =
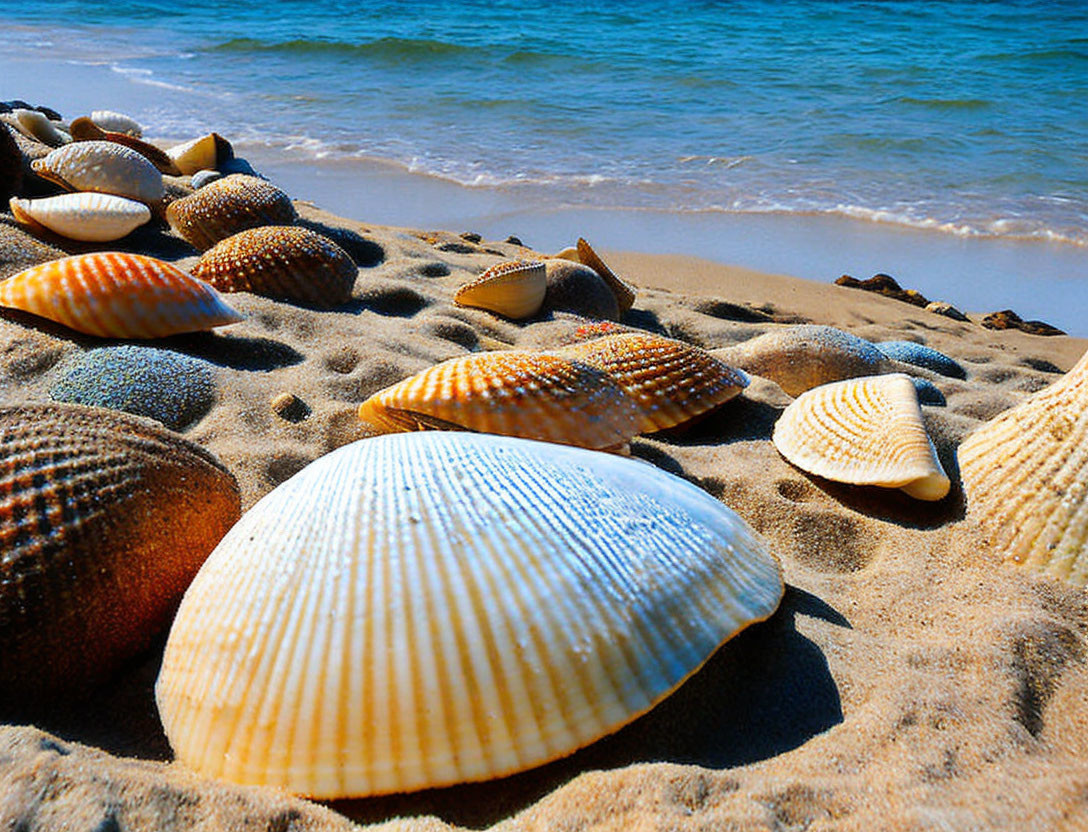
<point>961,117</point>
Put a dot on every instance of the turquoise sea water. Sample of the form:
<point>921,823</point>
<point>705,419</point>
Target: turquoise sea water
<point>967,118</point>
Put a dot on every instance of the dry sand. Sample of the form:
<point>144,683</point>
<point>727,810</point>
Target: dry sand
<point>908,681</point>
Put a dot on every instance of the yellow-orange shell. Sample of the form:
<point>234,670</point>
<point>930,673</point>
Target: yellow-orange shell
<point>511,393</point>
<point>227,206</point>
<point>104,520</point>
<point>624,291</point>
<point>283,262</point>
<point>673,382</point>
<point>1025,473</point>
<point>117,295</point>
<point>515,289</point>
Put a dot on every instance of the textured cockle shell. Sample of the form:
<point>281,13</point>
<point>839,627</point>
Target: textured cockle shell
<point>117,295</point>
<point>86,216</point>
<point>117,122</point>
<point>104,520</point>
<point>624,292</point>
<point>1025,473</point>
<point>513,393</point>
<point>514,289</point>
<point>863,431</point>
<point>425,609</point>
<point>105,167</point>
<point>85,130</point>
<point>205,153</point>
<point>672,382</point>
<point>280,262</point>
<point>38,127</point>
<point>227,206</point>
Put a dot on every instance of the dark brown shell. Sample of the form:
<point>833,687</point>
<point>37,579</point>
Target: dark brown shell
<point>104,520</point>
<point>85,130</point>
<point>11,165</point>
<point>284,262</point>
<point>227,206</point>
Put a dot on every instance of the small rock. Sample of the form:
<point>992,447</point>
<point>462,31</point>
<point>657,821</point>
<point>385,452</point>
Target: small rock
<point>203,177</point>
<point>928,393</point>
<point>886,285</point>
<point>11,165</point>
<point>290,407</point>
<point>573,287</point>
<point>49,113</point>
<point>515,241</point>
<point>238,165</point>
<point>922,356</point>
<point>940,307</point>
<point>471,236</point>
<point>1007,319</point>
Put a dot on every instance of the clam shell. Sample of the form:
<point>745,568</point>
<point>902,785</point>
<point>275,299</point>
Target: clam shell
<point>425,609</point>
<point>117,122</point>
<point>515,289</point>
<point>865,431</point>
<point>105,519</point>
<point>227,206</point>
<point>85,130</point>
<point>117,295</point>
<point>280,262</point>
<point>624,292</point>
<point>511,393</point>
<point>1026,478</point>
<point>205,153</point>
<point>87,216</point>
<point>40,128</point>
<point>672,382</point>
<point>105,167</point>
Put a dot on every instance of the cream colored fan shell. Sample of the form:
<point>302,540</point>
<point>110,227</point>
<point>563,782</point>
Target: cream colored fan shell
<point>514,289</point>
<point>86,216</point>
<point>1026,477</point>
<point>863,431</point>
<point>423,609</point>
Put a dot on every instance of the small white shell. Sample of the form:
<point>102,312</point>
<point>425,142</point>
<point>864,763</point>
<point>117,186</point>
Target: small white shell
<point>117,122</point>
<point>422,609</point>
<point>103,167</point>
<point>89,217</point>
<point>40,128</point>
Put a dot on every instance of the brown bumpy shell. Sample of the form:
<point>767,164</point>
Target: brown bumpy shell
<point>226,206</point>
<point>104,520</point>
<point>282,262</point>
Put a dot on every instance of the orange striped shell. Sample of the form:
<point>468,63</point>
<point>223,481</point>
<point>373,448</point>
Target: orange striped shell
<point>624,291</point>
<point>512,393</point>
<point>117,295</point>
<point>229,205</point>
<point>673,382</point>
<point>280,262</point>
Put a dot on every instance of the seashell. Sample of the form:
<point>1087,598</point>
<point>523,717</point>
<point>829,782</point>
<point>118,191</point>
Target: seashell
<point>920,355</point>
<point>570,253</point>
<point>85,130</point>
<point>280,262</point>
<point>206,153</point>
<point>672,382</point>
<point>1025,473</point>
<point>38,127</point>
<point>229,205</point>
<point>117,122</point>
<point>85,216</point>
<point>105,167</point>
<point>515,289</point>
<point>420,610</point>
<point>624,292</point>
<point>865,431</point>
<point>117,295</point>
<point>105,519</point>
<point>799,358</point>
<point>512,393</point>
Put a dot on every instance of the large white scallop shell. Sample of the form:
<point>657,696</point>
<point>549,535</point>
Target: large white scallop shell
<point>863,431</point>
<point>104,167</point>
<point>89,217</point>
<point>1026,477</point>
<point>423,609</point>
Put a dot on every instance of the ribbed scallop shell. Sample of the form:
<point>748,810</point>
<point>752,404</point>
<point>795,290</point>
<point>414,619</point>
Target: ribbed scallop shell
<point>117,122</point>
<point>227,206</point>
<point>1026,477</point>
<point>38,127</point>
<point>204,153</point>
<point>511,393</point>
<point>672,382</point>
<point>117,295</point>
<point>85,130</point>
<point>425,609</point>
<point>105,167</point>
<point>864,431</point>
<point>280,262</point>
<point>104,520</point>
<point>515,289</point>
<point>625,293</point>
<point>87,216</point>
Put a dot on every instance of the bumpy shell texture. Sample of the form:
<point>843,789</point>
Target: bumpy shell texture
<point>105,167</point>
<point>280,262</point>
<point>865,431</point>
<point>673,382</point>
<point>117,295</point>
<point>1026,477</point>
<point>227,206</point>
<point>625,293</point>
<point>88,217</point>
<point>515,289</point>
<point>511,393</point>
<point>425,609</point>
<point>104,520</point>
<point>85,130</point>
